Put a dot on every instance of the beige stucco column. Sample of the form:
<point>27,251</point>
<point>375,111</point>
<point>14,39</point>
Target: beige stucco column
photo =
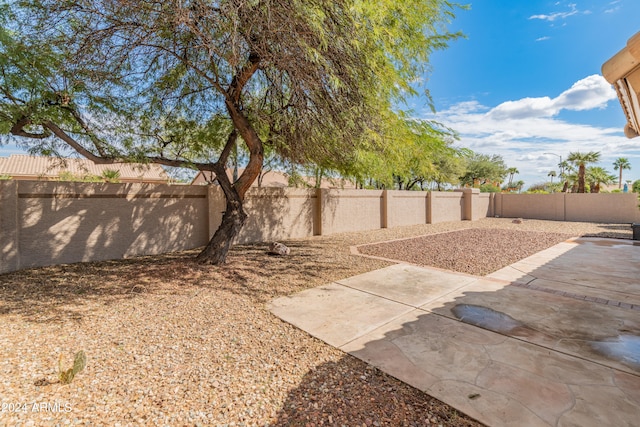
<point>469,196</point>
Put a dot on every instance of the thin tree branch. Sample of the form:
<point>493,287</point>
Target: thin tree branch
<point>18,129</point>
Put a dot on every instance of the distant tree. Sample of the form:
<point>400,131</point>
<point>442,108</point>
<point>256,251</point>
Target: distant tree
<point>512,172</point>
<point>596,176</point>
<point>581,160</point>
<point>620,164</point>
<point>519,185</point>
<point>418,148</point>
<point>180,82</point>
<point>448,166</point>
<point>635,187</point>
<point>538,188</point>
<point>483,169</point>
<point>552,174</point>
<point>489,188</point>
<point>565,169</point>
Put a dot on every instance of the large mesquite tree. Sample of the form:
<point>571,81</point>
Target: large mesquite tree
<point>180,82</point>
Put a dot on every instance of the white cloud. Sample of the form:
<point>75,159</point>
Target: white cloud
<point>541,39</point>
<point>523,130</point>
<point>615,6</point>
<point>557,15</point>
<point>586,94</point>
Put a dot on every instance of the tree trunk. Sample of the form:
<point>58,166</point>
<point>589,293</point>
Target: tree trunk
<point>234,216</point>
<point>620,179</point>
<point>581,173</point>
<point>232,221</point>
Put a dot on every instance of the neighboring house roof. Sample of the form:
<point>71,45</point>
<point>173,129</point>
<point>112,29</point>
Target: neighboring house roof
<point>623,71</point>
<point>274,179</point>
<point>20,166</point>
<point>270,179</point>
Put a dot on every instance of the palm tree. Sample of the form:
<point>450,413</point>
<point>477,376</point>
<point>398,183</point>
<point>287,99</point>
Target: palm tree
<point>512,172</point>
<point>110,175</point>
<point>564,168</point>
<point>620,164</point>
<point>552,174</point>
<point>596,176</point>
<point>581,160</point>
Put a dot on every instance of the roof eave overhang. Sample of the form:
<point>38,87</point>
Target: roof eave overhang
<point>623,72</point>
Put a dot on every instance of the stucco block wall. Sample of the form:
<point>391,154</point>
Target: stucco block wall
<point>71,222</point>
<point>278,214</point>
<point>532,206</point>
<point>445,206</point>
<point>605,207</point>
<point>406,208</point>
<point>8,226</point>
<point>350,210</point>
<point>43,222</point>
<point>600,207</point>
<point>482,206</point>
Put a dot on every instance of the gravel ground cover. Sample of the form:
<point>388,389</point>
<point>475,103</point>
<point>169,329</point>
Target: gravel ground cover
<point>170,342</point>
<point>476,251</point>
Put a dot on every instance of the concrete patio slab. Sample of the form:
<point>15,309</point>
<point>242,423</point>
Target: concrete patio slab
<point>556,344</point>
<point>408,284</point>
<point>337,314</point>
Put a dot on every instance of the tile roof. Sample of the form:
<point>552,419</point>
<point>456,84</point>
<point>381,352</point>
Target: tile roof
<point>276,179</point>
<point>18,165</point>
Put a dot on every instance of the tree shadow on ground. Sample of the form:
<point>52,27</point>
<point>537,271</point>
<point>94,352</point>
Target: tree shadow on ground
<point>56,293</point>
<point>613,231</point>
<point>350,392</point>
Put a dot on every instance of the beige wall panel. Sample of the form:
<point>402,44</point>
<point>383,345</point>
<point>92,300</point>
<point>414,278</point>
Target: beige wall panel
<point>278,214</point>
<point>603,207</point>
<point>406,208</point>
<point>351,210</point>
<point>445,206</point>
<point>482,206</point>
<point>216,204</point>
<point>9,250</point>
<point>533,206</point>
<point>72,222</point>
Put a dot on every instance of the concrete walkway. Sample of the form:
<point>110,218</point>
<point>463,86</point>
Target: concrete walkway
<point>552,340</point>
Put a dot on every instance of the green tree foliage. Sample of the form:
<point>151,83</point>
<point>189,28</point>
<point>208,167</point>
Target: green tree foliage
<point>512,172</point>
<point>565,170</point>
<point>110,175</point>
<point>489,188</point>
<point>180,82</point>
<point>597,176</point>
<point>539,188</point>
<point>621,164</point>
<point>412,153</point>
<point>635,187</point>
<point>581,160</point>
<point>484,169</point>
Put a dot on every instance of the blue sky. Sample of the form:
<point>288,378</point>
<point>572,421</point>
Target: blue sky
<point>527,81</point>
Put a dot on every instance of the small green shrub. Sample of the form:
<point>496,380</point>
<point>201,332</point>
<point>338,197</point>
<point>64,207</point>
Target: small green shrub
<point>489,188</point>
<point>537,191</point>
<point>67,176</point>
